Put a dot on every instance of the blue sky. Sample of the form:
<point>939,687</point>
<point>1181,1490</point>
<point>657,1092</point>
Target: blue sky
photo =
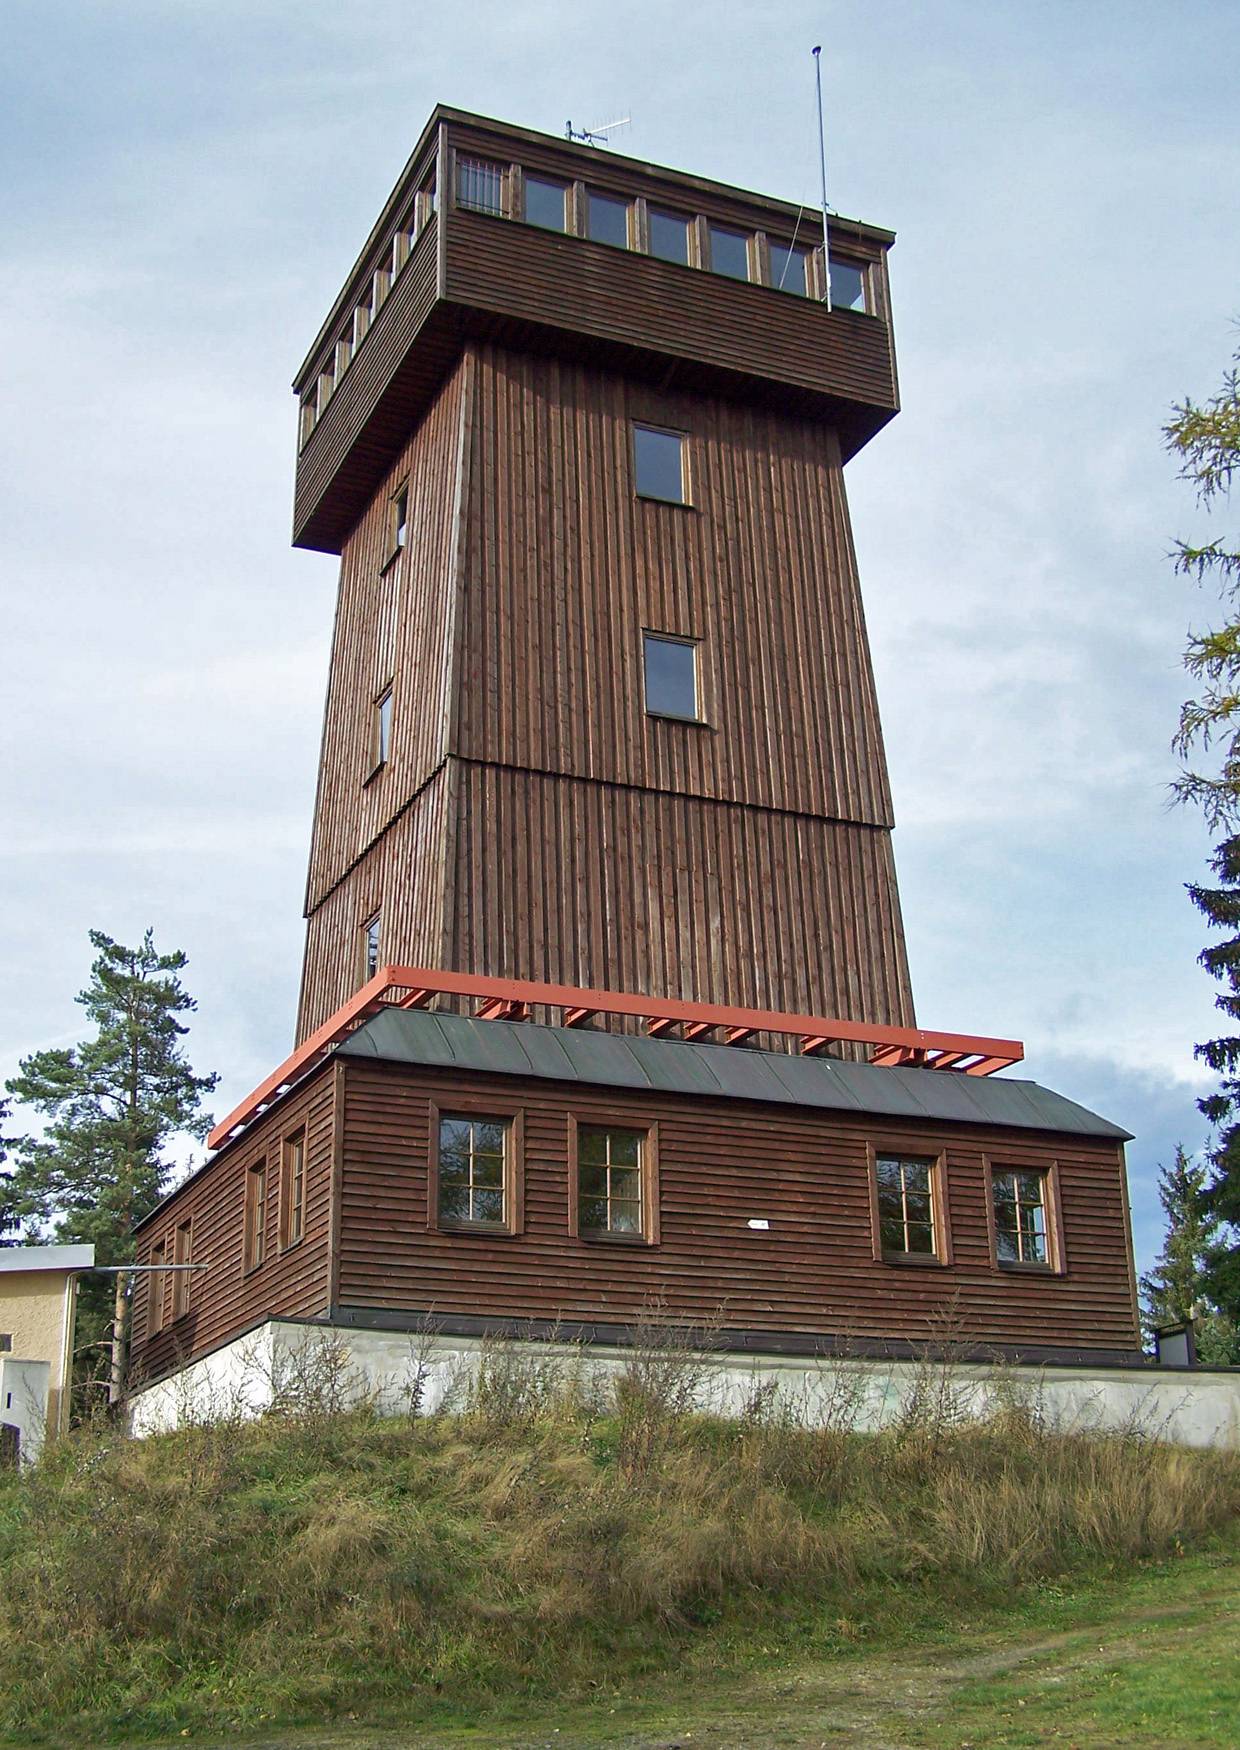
<point>184,189</point>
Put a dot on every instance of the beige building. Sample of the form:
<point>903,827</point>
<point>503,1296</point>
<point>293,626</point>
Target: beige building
<point>38,1296</point>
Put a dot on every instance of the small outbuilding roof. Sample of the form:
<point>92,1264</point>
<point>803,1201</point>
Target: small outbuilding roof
<point>671,1066</point>
<point>15,1258</point>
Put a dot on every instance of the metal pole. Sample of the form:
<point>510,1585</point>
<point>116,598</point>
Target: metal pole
<point>822,165</point>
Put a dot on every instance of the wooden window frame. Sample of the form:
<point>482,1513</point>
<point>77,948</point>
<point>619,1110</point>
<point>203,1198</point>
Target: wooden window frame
<point>254,1217</point>
<point>296,1139</point>
<point>182,1280</point>
<point>942,1257</point>
<point>699,689</point>
<point>1056,1254</point>
<point>157,1292</point>
<point>500,1111</point>
<point>650,1234</point>
<point>685,501</point>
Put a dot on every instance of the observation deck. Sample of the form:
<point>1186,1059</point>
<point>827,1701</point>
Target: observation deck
<point>497,233</point>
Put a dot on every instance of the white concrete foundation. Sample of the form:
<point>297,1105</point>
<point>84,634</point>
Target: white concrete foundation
<point>324,1368</point>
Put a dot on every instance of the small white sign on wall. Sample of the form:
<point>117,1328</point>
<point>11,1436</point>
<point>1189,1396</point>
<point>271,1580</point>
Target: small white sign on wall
<point>759,1221</point>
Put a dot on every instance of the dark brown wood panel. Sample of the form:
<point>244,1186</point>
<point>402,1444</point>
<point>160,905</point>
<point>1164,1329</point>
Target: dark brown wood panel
<point>631,299</point>
<point>224,1298</point>
<point>402,876</point>
<point>394,623</point>
<point>629,889</point>
<point>566,566</point>
<point>721,1163</point>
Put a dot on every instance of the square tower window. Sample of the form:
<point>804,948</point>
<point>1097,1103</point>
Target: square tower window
<point>607,219</point>
<point>659,464</point>
<point>671,676</point>
<point>669,236</point>
<point>790,268</point>
<point>545,203</point>
<point>847,285</point>
<point>729,252</point>
<point>480,186</point>
<point>370,948</point>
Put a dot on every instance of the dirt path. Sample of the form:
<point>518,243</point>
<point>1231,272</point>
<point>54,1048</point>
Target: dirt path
<point>883,1702</point>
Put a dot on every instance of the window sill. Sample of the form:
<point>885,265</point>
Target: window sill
<point>373,773</point>
<point>914,1261</point>
<point>672,503</point>
<point>613,1239</point>
<point>675,717</point>
<point>493,1230</point>
<point>1022,1267</point>
<point>391,559</point>
<point>291,1246</point>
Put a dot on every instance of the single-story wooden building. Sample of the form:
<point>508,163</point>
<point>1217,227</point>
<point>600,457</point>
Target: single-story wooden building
<point>489,1172</point>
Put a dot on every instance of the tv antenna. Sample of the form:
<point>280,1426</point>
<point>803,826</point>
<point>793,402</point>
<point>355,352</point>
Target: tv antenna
<point>595,136</point>
<point>822,165</point>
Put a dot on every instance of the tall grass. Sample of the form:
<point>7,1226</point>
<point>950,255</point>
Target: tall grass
<point>548,1531</point>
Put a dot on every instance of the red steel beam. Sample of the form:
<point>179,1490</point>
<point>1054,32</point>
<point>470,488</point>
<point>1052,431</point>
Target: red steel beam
<point>414,986</point>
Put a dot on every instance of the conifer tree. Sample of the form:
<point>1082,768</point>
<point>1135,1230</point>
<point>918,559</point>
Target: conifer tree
<point>1206,438</point>
<point>1177,1288</point>
<point>111,1105</point>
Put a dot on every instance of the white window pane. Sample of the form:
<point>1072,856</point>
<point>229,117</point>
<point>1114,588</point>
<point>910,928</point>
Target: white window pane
<point>544,203</point>
<point>658,459</point>
<point>607,220</point>
<point>847,286</point>
<point>729,252</point>
<point>669,237</point>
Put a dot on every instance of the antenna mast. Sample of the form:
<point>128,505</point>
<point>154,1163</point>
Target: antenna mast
<point>822,165</point>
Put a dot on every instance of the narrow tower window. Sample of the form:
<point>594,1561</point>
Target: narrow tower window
<point>729,252</point>
<point>181,1278</point>
<point>669,236</point>
<point>847,286</point>
<point>671,677</point>
<point>607,220</point>
<point>370,947</point>
<point>381,730</point>
<point>544,203</point>
<point>400,521</point>
<point>659,464</point>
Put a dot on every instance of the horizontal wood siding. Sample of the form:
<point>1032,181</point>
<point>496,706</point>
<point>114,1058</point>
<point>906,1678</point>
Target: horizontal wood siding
<point>224,1299</point>
<point>624,889</point>
<point>566,566</point>
<point>721,1163</point>
<point>393,622</point>
<point>402,877</point>
<point>634,300</point>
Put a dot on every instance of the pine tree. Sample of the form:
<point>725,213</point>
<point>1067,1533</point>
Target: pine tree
<point>111,1106</point>
<point>8,1215</point>
<point>1206,438</point>
<point>1176,1289</point>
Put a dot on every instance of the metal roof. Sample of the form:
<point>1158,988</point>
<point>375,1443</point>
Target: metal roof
<point>17,1258</point>
<point>671,1066</point>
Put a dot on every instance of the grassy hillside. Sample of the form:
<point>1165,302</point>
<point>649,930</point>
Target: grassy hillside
<point>544,1540</point>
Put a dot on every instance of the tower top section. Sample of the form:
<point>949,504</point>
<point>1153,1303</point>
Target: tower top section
<point>495,232</point>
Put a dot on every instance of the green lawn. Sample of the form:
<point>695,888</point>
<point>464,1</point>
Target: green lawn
<point>1152,1658</point>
